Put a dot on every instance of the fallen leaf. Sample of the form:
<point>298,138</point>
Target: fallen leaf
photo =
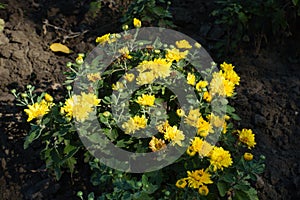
<point>58,47</point>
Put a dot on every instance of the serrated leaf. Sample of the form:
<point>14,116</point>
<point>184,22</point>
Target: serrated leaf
<point>58,47</point>
<point>222,187</point>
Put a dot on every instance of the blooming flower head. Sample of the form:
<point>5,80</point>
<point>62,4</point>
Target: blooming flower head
<point>175,54</point>
<point>200,146</point>
<point>129,77</point>
<point>248,156</point>
<point>198,178</point>
<point>80,106</point>
<point>181,183</point>
<point>204,127</point>
<point>183,44</point>
<point>232,77</point>
<point>220,158</point>
<point>192,118</point>
<point>125,52</point>
<point>79,60</point>
<point>220,85</point>
<point>48,97</point>
<point>117,86</point>
<point>93,77</point>
<point>175,135</point>
<point>207,96</point>
<point>134,123</point>
<point>226,67</point>
<point>203,190</point>
<point>146,100</point>
<point>157,144</point>
<point>145,78</point>
<point>200,85</point>
<point>163,127</point>
<point>137,23</point>
<point>191,79</point>
<point>107,38</point>
<point>247,137</point>
<point>37,110</point>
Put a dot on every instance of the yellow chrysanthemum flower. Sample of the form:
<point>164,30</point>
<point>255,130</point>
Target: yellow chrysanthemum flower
<point>129,77</point>
<point>134,124</point>
<point>198,178</point>
<point>226,67</point>
<point>163,127</point>
<point>183,44</point>
<point>200,146</point>
<point>220,85</point>
<point>173,134</point>
<point>125,52</point>
<point>80,106</point>
<point>145,78</point>
<point>107,38</point>
<point>117,86</point>
<point>248,156</point>
<point>180,112</point>
<point>137,23</point>
<point>220,158</point>
<point>207,96</point>
<point>200,85</point>
<point>232,76</point>
<point>146,100</point>
<point>181,183</point>
<point>192,118</point>
<point>191,79</point>
<point>37,110</point>
<point>93,77</point>
<point>204,127</point>
<point>48,97</point>
<point>247,137</point>
<point>175,54</point>
<point>157,144</point>
<point>203,190</point>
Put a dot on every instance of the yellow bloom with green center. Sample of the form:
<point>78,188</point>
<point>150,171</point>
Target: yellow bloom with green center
<point>80,106</point>
<point>247,137</point>
<point>181,183</point>
<point>37,110</point>
<point>220,158</point>
<point>175,54</point>
<point>183,44</point>
<point>146,100</point>
<point>248,156</point>
<point>134,123</point>
<point>173,134</point>
<point>200,85</point>
<point>157,144</point>
<point>198,178</point>
<point>93,77</point>
<point>137,23</point>
<point>191,79</point>
<point>180,112</point>
<point>203,190</point>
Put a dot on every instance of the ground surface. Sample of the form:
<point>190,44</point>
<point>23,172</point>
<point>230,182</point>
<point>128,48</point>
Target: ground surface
<point>268,99</point>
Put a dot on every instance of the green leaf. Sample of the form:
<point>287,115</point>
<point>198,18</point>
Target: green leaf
<point>235,117</point>
<point>34,134</point>
<point>295,2</point>
<point>223,188</point>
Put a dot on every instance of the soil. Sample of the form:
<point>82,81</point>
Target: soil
<point>268,98</point>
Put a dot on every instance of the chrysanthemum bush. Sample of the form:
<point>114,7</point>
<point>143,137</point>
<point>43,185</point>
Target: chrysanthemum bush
<point>132,97</point>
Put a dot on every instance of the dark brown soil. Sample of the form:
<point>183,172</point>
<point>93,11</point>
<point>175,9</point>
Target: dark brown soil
<point>268,99</point>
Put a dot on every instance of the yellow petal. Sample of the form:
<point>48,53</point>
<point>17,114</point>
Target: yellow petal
<point>57,47</point>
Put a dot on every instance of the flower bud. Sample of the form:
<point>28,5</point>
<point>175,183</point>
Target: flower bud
<point>24,95</point>
<point>69,87</point>
<point>13,91</point>
<point>69,64</point>
<point>125,27</point>
<point>29,87</point>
